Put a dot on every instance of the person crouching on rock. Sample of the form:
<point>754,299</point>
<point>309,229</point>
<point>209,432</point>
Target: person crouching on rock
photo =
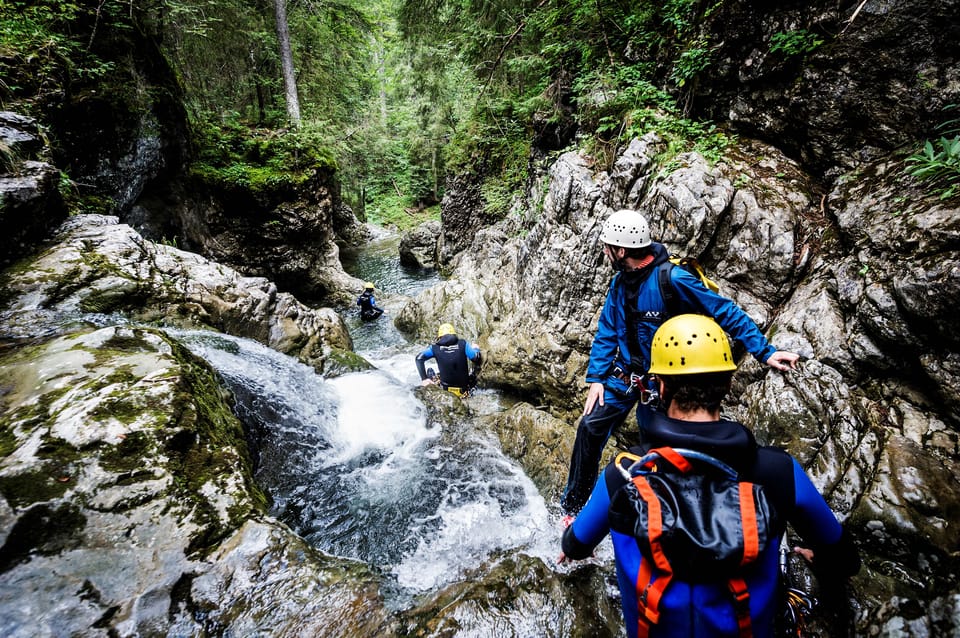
<point>451,354</point>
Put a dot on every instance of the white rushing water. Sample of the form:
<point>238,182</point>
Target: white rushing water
<point>353,466</point>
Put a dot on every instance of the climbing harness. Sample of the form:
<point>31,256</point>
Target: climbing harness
<point>642,383</point>
<point>798,605</point>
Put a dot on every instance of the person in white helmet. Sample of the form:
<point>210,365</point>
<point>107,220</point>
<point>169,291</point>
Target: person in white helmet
<point>635,307</point>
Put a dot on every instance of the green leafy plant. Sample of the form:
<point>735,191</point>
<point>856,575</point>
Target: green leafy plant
<point>791,43</point>
<point>690,63</point>
<point>938,162</point>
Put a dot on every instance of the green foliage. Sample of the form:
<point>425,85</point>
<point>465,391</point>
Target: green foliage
<point>599,63</point>
<point>44,43</point>
<point>231,154</point>
<point>691,63</point>
<point>793,43</point>
<point>938,162</point>
<point>393,210</point>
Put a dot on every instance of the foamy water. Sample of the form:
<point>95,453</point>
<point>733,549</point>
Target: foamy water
<point>352,465</point>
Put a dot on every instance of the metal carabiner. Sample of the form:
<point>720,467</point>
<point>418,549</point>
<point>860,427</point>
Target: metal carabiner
<point>649,395</point>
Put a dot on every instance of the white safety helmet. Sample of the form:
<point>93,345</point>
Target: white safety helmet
<point>626,228</point>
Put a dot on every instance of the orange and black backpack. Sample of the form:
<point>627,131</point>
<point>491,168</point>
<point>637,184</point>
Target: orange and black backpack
<point>694,520</point>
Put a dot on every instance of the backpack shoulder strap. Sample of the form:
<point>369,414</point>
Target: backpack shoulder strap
<point>649,593</point>
<point>692,265</point>
<point>667,290</point>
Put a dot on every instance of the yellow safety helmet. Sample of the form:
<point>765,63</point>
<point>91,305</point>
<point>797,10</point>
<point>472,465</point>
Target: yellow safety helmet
<point>445,329</point>
<point>690,344</point>
<point>368,285</point>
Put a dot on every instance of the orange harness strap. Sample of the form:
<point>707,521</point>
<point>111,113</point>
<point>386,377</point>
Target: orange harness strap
<point>741,604</point>
<point>748,517</point>
<point>649,594</point>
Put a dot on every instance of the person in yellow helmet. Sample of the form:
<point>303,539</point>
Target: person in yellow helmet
<point>693,367</point>
<point>451,354</point>
<point>369,309</point>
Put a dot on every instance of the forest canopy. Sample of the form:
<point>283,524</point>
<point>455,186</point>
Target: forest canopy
<point>396,94</point>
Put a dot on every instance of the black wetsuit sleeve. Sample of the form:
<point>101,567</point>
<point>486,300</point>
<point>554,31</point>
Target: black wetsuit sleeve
<point>837,559</point>
<point>421,367</point>
<point>796,500</point>
<point>573,548</point>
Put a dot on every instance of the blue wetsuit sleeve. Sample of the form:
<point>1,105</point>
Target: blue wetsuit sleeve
<point>834,552</point>
<point>471,352</point>
<point>605,346</point>
<point>726,312</point>
<point>423,356</point>
<point>590,526</point>
<point>813,519</point>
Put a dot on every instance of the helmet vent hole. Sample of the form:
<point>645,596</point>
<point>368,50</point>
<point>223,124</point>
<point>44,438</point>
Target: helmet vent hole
<point>683,361</point>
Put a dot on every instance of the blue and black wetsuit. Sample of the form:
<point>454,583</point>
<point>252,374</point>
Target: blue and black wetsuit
<point>706,609</point>
<point>451,354</point>
<point>368,306</point>
<point>633,310</point>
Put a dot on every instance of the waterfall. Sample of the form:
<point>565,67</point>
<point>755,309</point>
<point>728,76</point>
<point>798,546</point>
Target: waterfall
<point>353,466</point>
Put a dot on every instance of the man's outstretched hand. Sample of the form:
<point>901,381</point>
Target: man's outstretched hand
<point>782,360</point>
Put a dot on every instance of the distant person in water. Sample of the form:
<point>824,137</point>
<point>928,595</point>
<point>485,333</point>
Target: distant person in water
<point>369,309</point>
<point>451,353</point>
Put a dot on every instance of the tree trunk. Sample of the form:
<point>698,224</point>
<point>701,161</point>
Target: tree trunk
<point>286,61</point>
<point>379,59</point>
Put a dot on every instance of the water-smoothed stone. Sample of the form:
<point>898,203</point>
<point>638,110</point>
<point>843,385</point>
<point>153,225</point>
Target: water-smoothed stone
<point>85,415</point>
<point>539,442</point>
<point>264,580</point>
<point>418,247</point>
<point>101,266</point>
<point>128,504</point>
<point>499,599</point>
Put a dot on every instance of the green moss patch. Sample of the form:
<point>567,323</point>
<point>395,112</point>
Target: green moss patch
<point>129,454</point>
<point>26,419</point>
<point>23,490</point>
<point>343,361</point>
<point>208,444</point>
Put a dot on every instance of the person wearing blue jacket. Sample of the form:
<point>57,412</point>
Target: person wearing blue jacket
<point>451,354</point>
<point>692,376</point>
<point>620,354</point>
